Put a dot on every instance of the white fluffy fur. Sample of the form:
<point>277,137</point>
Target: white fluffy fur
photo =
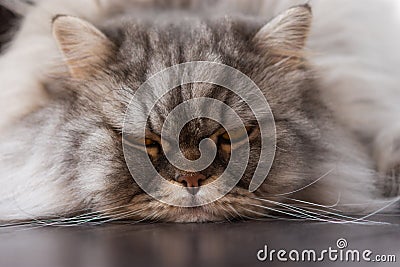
<point>353,43</point>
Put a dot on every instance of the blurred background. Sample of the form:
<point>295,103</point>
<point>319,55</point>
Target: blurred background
<point>7,20</point>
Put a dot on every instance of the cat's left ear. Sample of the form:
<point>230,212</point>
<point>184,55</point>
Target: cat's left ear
<point>84,47</point>
<point>287,33</point>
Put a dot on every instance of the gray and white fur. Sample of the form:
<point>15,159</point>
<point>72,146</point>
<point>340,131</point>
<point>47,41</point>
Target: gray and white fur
<point>331,76</point>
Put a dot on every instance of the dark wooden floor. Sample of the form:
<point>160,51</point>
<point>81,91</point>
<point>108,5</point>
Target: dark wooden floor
<point>220,244</point>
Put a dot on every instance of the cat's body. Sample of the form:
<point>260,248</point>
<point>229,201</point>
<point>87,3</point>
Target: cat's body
<point>337,129</point>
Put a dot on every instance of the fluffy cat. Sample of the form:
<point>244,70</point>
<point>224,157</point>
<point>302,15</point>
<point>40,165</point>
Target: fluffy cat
<point>329,73</point>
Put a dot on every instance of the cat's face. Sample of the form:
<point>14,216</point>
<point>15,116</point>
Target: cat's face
<point>108,70</point>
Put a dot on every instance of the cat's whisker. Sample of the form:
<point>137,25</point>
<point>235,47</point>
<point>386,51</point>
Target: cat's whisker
<point>304,212</point>
<point>79,219</point>
<point>314,216</point>
<point>94,216</point>
<point>342,218</point>
<point>282,149</point>
<point>379,210</point>
<point>316,204</point>
<point>227,213</point>
<point>308,185</point>
<point>14,224</point>
<point>90,214</point>
<point>150,216</point>
<point>120,216</point>
<point>100,219</point>
<point>269,216</point>
<point>284,212</point>
<point>240,215</point>
<point>366,203</point>
<point>389,203</point>
<point>255,212</point>
<point>307,208</point>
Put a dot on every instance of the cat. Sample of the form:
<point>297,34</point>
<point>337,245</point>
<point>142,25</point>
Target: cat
<point>330,79</point>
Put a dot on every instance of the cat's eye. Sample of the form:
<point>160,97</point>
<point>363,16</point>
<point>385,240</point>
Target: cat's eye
<point>235,135</point>
<point>150,142</point>
<point>137,142</point>
<point>151,146</point>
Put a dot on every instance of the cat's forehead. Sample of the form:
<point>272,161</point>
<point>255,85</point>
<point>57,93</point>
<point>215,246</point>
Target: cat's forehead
<point>150,48</point>
<point>159,45</point>
<point>201,100</point>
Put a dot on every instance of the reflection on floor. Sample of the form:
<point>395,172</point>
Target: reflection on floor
<point>219,244</point>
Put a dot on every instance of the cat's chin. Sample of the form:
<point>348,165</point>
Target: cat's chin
<point>239,204</point>
<point>197,214</point>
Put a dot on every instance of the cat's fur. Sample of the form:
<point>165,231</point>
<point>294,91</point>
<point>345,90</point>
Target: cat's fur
<point>335,104</point>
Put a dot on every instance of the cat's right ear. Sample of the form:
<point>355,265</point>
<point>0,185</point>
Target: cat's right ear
<point>287,33</point>
<point>85,48</point>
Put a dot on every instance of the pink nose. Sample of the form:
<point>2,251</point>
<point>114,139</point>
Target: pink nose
<point>191,180</point>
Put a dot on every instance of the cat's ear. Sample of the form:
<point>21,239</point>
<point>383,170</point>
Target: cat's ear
<point>85,48</point>
<point>287,33</point>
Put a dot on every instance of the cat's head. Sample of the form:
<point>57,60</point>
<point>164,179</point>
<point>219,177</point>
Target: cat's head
<point>109,63</point>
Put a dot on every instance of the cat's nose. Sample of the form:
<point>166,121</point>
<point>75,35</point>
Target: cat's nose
<point>191,180</point>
